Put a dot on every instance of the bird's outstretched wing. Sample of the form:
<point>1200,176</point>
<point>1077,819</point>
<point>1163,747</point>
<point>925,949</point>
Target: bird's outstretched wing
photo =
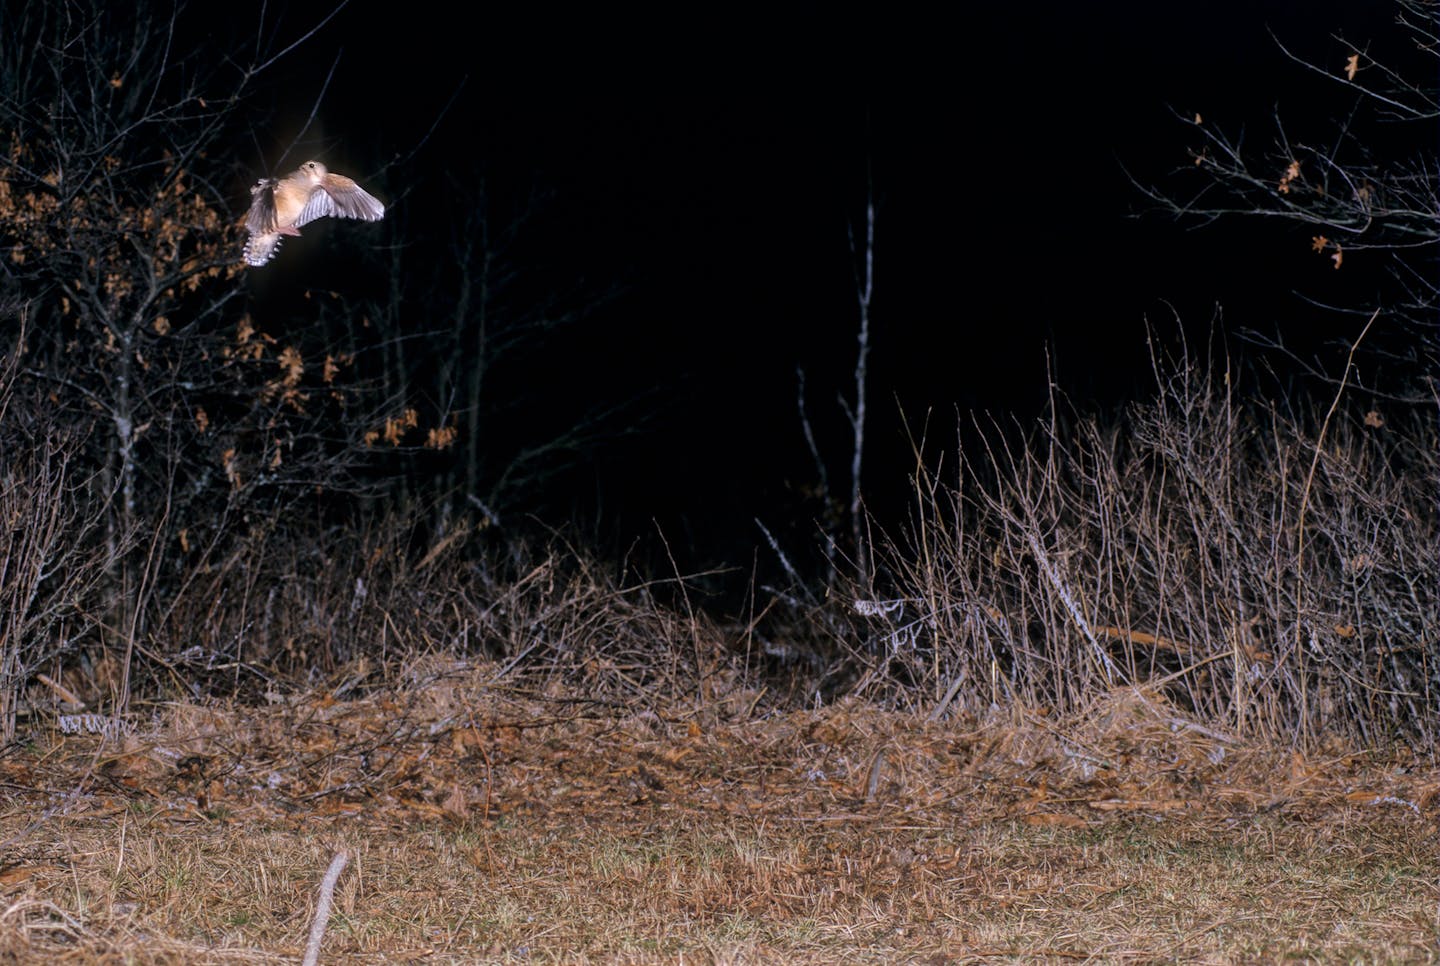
<point>337,196</point>
<point>261,217</point>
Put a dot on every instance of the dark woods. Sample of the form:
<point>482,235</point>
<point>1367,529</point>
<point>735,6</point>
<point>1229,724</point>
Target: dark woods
<point>453,430</point>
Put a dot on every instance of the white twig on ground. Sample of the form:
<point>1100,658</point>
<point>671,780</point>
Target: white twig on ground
<point>322,910</point>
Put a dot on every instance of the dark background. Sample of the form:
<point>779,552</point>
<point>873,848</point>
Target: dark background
<point>703,165</point>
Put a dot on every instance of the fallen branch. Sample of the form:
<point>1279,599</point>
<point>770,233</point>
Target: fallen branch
<point>322,910</point>
<point>1144,639</point>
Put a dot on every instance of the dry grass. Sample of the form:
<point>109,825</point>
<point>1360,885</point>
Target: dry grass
<point>488,825</point>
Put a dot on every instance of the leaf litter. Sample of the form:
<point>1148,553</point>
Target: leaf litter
<point>494,822</point>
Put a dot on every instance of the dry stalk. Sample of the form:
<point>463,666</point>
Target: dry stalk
<point>322,909</point>
<point>1305,505</point>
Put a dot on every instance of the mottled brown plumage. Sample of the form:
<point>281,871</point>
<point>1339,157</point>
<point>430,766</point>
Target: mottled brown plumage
<point>282,205</point>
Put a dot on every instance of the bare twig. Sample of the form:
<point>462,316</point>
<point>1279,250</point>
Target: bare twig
<point>322,908</point>
<point>1300,522</point>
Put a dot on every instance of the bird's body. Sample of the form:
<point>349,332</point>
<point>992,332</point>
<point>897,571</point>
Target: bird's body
<point>282,205</point>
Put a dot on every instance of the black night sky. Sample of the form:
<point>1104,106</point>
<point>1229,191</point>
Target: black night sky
<point>703,164</point>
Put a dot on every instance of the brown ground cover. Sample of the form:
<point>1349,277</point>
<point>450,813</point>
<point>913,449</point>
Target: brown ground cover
<point>487,823</point>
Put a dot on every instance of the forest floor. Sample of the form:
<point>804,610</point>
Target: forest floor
<point>491,824</point>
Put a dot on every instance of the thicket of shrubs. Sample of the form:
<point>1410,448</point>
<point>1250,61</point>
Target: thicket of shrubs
<point>1267,563</point>
<point>1268,568</point>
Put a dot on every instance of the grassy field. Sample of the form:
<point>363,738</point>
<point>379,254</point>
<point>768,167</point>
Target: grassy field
<point>493,825</point>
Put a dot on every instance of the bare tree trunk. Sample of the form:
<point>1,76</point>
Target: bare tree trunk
<point>864,287</point>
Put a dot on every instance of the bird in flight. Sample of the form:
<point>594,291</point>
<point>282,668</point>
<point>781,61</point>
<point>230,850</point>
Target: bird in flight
<point>282,205</point>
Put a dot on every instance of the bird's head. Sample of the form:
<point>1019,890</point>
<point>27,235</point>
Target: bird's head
<point>314,171</point>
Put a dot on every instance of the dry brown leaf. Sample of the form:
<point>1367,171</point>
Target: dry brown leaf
<point>1291,173</point>
<point>676,754</point>
<point>1374,420</point>
<point>1056,819</point>
<point>425,808</point>
<point>1318,243</point>
<point>1352,64</point>
<point>1040,792</point>
<point>1228,792</point>
<point>463,739</point>
<point>232,473</point>
<point>1301,770</point>
<point>455,803</point>
<point>20,873</point>
<point>293,364</point>
<point>441,438</point>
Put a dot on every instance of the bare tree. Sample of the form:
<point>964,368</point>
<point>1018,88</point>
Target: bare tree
<point>852,511</point>
<point>864,258</point>
<point>118,231</point>
<point>1367,183</point>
